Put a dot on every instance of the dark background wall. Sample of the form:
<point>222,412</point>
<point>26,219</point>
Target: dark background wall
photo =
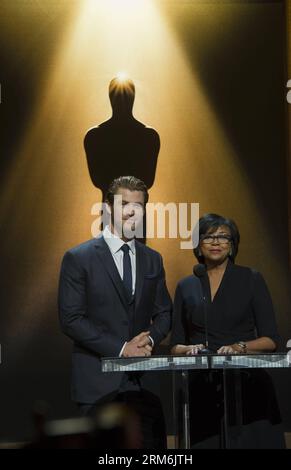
<point>217,97</point>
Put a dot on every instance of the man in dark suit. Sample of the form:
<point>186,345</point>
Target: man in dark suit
<point>113,301</point>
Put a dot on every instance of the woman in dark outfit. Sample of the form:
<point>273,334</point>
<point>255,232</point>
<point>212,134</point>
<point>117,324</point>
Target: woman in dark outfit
<point>240,319</point>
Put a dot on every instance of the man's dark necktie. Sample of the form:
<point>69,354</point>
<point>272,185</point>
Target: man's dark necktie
<point>127,272</point>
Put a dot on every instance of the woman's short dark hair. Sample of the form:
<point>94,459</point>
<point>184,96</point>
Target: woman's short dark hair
<point>209,223</point>
<point>128,182</point>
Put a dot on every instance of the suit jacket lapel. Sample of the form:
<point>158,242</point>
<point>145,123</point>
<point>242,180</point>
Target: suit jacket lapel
<point>105,256</point>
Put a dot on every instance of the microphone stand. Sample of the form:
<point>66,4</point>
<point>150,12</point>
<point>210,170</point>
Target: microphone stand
<point>205,350</point>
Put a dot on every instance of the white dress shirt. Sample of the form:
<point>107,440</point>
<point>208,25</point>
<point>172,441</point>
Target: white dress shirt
<point>114,244</point>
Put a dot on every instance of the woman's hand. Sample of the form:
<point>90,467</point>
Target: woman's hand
<point>194,349</point>
<point>230,349</point>
<point>186,350</point>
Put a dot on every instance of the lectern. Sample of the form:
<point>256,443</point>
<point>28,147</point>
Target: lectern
<point>184,364</point>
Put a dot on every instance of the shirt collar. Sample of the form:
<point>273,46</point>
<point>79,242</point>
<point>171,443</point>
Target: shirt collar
<point>115,243</point>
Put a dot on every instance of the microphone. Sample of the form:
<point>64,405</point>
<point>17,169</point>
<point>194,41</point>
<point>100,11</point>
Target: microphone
<point>199,270</point>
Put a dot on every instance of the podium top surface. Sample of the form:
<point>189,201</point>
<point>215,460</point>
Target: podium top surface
<point>198,362</point>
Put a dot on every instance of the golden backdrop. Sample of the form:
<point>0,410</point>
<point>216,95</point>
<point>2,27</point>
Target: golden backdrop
<point>202,76</point>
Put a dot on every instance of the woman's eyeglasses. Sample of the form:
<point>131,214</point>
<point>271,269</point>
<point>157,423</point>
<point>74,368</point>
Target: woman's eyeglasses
<point>208,239</point>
